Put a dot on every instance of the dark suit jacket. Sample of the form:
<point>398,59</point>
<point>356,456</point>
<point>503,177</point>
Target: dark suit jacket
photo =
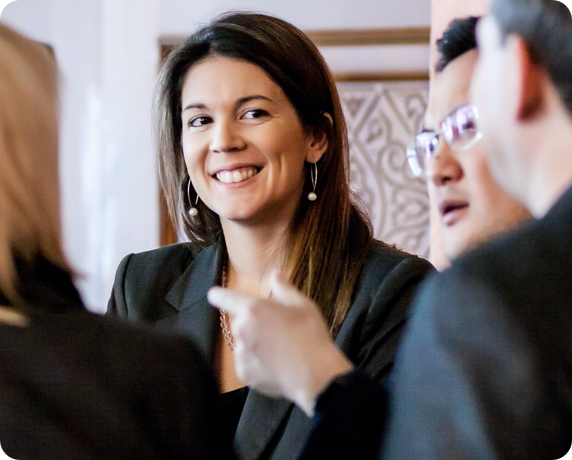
<point>78,386</point>
<point>168,287</point>
<point>485,366</point>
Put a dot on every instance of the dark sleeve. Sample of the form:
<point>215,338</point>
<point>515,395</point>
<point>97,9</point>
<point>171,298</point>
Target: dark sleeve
<point>348,420</point>
<point>469,383</point>
<point>117,305</point>
<point>387,313</point>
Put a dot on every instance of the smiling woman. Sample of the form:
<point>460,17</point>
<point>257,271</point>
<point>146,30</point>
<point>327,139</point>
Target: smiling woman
<point>253,161</point>
<point>244,145</point>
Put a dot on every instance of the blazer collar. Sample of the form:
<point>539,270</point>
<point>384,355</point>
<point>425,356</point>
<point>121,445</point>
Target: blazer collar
<point>188,295</point>
<point>197,279</point>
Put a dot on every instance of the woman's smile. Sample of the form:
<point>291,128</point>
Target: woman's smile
<point>236,175</point>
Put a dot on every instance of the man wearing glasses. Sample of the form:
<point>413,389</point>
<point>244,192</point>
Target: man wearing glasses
<point>471,206</point>
<point>491,338</point>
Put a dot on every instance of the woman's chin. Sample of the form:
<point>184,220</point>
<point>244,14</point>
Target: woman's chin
<point>257,212</point>
<point>250,218</point>
<point>239,217</point>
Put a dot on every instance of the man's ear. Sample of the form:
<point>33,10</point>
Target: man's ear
<point>526,79</point>
<point>318,141</point>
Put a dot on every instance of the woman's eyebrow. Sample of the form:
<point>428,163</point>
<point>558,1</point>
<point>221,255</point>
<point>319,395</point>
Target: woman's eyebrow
<point>197,105</point>
<point>239,102</point>
<point>244,100</point>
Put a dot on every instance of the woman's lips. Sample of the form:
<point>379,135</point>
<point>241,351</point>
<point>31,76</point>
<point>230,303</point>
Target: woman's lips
<point>236,175</point>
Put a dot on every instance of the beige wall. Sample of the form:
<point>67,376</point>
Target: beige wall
<point>442,13</point>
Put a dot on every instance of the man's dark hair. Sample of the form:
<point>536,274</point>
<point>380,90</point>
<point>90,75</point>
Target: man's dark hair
<point>546,27</point>
<point>459,38</point>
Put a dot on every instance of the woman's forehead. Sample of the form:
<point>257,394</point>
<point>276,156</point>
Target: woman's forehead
<point>221,78</point>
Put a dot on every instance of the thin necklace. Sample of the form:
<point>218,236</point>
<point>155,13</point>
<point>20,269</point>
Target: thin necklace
<point>226,332</point>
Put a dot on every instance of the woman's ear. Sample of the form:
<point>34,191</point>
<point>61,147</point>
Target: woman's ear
<point>318,141</point>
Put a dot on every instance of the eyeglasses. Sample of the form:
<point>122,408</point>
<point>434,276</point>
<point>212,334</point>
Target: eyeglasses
<point>460,130</point>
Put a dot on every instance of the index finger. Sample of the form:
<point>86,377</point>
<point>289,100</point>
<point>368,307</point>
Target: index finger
<point>228,300</point>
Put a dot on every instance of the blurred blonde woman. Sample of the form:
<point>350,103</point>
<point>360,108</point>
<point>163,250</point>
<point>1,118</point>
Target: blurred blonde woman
<point>74,385</point>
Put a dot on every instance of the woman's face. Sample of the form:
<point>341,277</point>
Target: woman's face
<point>243,143</point>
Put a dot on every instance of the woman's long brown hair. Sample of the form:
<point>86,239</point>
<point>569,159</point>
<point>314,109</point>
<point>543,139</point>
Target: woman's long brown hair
<point>328,239</point>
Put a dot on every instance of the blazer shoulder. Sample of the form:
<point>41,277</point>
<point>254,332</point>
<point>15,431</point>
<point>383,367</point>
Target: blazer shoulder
<point>384,259</point>
<point>167,255</point>
<point>382,296</point>
<point>150,267</point>
<point>142,280</point>
<point>389,279</point>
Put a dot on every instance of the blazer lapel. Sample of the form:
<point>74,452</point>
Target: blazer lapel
<point>260,419</point>
<point>196,317</point>
<point>262,416</point>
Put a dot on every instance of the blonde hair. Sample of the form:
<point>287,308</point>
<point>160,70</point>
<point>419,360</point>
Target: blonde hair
<point>29,190</point>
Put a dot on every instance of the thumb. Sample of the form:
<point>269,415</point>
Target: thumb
<point>284,293</point>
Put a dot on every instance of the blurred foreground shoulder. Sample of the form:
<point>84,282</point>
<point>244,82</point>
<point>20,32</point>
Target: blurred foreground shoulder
<point>114,391</point>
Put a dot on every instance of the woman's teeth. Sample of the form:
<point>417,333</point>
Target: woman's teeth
<point>238,175</point>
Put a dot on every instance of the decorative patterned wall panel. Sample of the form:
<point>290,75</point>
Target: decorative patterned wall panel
<point>382,118</point>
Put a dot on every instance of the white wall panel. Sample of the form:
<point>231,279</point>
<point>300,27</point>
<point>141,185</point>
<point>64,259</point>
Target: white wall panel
<point>376,59</point>
<point>107,54</point>
<point>182,16</point>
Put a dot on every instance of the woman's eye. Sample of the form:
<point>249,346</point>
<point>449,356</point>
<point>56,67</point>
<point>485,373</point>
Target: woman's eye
<point>255,113</point>
<point>197,122</point>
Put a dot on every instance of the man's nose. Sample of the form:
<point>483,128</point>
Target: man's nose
<point>444,166</point>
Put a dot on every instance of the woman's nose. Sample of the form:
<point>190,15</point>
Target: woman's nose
<point>444,167</point>
<point>226,137</point>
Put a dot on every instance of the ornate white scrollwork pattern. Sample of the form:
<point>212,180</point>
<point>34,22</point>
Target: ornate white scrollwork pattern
<point>382,118</point>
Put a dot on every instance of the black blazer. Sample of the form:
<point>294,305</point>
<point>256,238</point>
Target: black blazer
<point>168,287</point>
<point>485,371</point>
<point>74,385</point>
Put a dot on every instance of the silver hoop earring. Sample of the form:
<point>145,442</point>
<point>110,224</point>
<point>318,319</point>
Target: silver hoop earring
<point>193,212</point>
<point>314,176</point>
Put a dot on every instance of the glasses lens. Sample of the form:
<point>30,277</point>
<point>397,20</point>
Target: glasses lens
<point>421,151</point>
<point>461,129</point>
